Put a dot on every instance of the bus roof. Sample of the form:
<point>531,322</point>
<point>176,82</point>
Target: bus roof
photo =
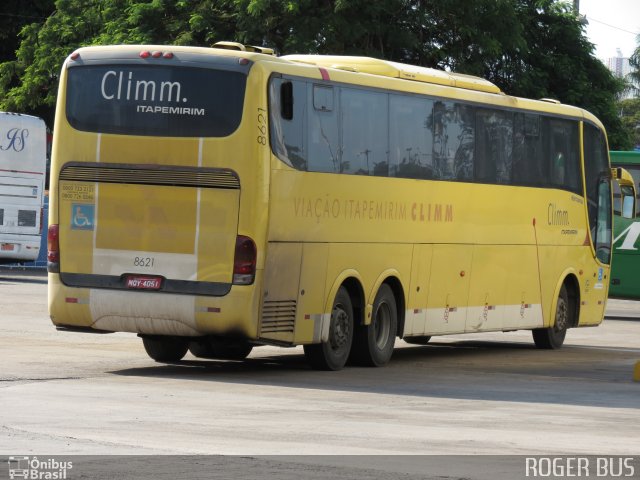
<point>386,68</point>
<point>342,67</point>
<point>22,116</point>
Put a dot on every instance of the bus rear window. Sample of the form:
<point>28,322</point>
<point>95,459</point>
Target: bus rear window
<point>154,100</point>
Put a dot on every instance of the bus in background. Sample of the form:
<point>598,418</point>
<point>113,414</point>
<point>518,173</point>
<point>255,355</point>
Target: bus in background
<point>215,199</point>
<point>23,158</point>
<point>625,269</point>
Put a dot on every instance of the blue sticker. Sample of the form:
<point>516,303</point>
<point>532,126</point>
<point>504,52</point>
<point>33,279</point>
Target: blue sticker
<point>82,216</point>
<point>600,274</point>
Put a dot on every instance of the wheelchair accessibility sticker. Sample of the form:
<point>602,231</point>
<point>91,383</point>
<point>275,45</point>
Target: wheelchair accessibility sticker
<point>82,216</point>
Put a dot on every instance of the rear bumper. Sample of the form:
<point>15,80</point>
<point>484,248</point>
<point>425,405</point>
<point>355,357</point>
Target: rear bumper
<point>155,313</point>
<point>114,282</point>
<point>19,250</point>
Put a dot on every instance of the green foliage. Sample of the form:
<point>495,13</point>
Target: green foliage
<point>532,48</point>
<point>634,76</point>
<point>630,115</point>
<point>15,14</point>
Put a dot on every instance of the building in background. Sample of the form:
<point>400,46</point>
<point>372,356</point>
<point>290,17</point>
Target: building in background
<point>621,68</point>
<point>619,65</point>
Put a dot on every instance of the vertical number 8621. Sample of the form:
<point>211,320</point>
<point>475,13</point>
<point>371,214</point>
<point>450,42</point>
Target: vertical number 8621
<point>262,126</point>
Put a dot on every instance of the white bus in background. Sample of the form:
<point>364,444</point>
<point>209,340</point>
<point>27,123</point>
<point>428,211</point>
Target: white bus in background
<point>23,158</point>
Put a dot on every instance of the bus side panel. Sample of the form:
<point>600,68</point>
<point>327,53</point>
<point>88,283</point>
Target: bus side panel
<point>416,315</point>
<point>594,285</point>
<point>370,261</point>
<point>449,289</point>
<point>280,293</point>
<point>624,267</point>
<point>626,232</point>
<point>505,289</point>
<point>312,293</point>
<point>523,288</point>
<point>556,262</point>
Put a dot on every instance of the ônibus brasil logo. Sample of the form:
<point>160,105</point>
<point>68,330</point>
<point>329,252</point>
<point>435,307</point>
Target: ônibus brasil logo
<point>36,469</point>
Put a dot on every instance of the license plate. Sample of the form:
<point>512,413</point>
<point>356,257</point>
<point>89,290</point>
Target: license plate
<point>7,247</point>
<point>143,283</point>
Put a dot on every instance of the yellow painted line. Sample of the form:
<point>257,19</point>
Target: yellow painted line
<point>636,372</point>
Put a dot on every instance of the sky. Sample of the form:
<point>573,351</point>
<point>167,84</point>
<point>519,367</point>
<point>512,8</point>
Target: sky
<point>613,24</point>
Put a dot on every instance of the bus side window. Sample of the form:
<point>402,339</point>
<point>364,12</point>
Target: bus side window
<point>563,153</point>
<point>288,135</point>
<point>627,202</point>
<point>528,160</point>
<point>323,98</point>
<point>453,140</point>
<point>494,146</point>
<point>410,137</point>
<point>365,132</point>
<point>324,146</point>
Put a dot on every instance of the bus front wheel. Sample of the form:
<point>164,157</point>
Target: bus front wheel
<point>165,349</point>
<point>552,338</point>
<point>373,344</point>
<point>333,354</point>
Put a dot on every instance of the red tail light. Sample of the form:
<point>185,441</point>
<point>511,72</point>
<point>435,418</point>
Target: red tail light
<point>53,249</point>
<point>41,219</point>
<point>244,262</point>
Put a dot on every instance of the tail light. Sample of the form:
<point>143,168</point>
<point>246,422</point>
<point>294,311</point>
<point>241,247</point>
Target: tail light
<point>41,219</point>
<point>53,249</point>
<point>244,262</point>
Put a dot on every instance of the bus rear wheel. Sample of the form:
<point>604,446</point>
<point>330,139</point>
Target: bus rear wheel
<point>165,349</point>
<point>333,354</point>
<point>219,348</point>
<point>552,338</point>
<point>373,344</point>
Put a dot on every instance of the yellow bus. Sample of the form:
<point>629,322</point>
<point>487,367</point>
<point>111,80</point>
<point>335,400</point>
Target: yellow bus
<point>216,199</point>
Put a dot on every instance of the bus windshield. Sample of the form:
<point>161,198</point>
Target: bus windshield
<point>155,100</point>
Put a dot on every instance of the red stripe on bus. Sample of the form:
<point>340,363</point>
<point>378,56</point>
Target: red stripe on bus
<point>324,73</point>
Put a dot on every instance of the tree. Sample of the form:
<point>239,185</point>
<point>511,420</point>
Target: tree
<point>542,53</point>
<point>634,61</point>
<point>14,15</point>
<point>630,116</point>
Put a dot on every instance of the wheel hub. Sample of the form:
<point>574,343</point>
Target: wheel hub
<point>562,315</point>
<point>340,331</point>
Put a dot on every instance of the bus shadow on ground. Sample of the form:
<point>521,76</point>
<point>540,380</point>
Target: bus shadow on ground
<point>465,370</point>
<point>18,280</point>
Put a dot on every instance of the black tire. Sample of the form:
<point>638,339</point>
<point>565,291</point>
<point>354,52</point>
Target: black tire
<point>219,348</point>
<point>334,353</point>
<point>373,344</point>
<point>552,338</point>
<point>165,349</point>
<point>421,340</point>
